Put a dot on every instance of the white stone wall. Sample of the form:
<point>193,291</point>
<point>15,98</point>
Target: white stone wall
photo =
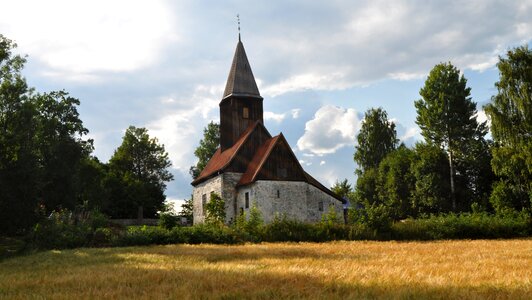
<point>223,185</point>
<point>297,200</point>
<point>213,185</point>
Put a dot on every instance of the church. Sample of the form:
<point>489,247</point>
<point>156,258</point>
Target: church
<point>252,167</point>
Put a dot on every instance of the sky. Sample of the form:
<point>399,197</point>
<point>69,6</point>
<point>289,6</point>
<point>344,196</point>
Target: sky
<point>319,65</point>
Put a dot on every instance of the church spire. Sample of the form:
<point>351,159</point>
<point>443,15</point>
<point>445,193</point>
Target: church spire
<point>240,81</point>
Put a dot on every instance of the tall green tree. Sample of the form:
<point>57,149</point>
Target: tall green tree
<point>207,146</point>
<point>430,171</point>
<point>510,112</point>
<point>138,172</point>
<point>377,138</point>
<point>41,146</point>
<point>61,148</point>
<point>19,163</point>
<point>446,116</point>
<point>395,182</point>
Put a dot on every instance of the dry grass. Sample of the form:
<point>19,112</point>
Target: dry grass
<point>341,270</point>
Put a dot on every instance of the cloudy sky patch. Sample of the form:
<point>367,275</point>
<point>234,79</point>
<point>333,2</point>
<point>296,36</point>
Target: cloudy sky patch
<point>319,65</point>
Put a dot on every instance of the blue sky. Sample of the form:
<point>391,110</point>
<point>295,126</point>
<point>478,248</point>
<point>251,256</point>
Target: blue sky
<point>319,65</point>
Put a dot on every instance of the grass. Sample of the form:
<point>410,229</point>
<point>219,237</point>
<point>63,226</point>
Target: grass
<point>497,269</point>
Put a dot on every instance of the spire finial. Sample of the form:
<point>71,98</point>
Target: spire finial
<point>238,20</point>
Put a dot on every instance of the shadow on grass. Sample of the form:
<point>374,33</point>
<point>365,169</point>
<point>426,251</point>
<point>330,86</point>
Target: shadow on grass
<point>130,273</point>
<point>208,272</point>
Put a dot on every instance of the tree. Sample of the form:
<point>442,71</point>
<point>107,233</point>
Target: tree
<point>510,112</point>
<point>61,149</point>
<point>430,170</point>
<point>41,147</point>
<point>187,210</point>
<point>342,188</point>
<point>377,138</point>
<point>446,116</point>
<point>395,182</point>
<point>215,208</point>
<point>207,146</point>
<point>19,163</point>
<point>138,174</point>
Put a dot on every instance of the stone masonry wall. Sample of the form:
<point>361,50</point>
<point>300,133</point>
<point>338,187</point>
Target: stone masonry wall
<point>213,185</point>
<point>296,200</point>
<point>223,185</point>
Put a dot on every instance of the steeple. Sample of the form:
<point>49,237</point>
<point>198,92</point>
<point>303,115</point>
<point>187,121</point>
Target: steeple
<point>241,105</point>
<point>240,81</point>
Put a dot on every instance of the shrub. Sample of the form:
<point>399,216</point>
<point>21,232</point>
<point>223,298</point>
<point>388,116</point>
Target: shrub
<point>168,220</point>
<point>464,226</point>
<point>215,210</point>
<point>64,229</point>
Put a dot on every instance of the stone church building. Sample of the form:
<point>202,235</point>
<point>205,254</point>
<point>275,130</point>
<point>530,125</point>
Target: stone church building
<point>251,166</point>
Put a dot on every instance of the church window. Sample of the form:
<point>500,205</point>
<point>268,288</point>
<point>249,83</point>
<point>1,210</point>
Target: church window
<point>320,206</point>
<point>245,112</point>
<point>203,202</point>
<point>278,194</point>
<point>246,195</point>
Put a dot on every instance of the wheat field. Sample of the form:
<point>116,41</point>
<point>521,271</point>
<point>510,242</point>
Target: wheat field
<point>498,269</point>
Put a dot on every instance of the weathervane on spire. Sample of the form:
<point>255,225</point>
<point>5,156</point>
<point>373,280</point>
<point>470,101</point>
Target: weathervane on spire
<point>238,20</point>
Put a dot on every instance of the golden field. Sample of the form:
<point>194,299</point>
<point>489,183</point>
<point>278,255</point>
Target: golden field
<point>337,270</point>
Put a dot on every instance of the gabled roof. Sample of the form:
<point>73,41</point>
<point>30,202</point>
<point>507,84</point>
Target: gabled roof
<point>258,160</point>
<point>221,160</point>
<point>240,81</point>
<point>262,155</point>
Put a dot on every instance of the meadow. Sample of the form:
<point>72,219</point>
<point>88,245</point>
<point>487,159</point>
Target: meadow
<point>471,269</point>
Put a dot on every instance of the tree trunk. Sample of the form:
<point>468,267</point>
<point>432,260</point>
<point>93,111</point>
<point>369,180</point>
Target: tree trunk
<point>451,171</point>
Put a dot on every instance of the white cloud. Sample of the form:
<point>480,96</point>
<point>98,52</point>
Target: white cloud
<point>410,133</point>
<point>406,76</point>
<point>295,113</point>
<point>308,81</point>
<point>78,39</point>
<point>331,129</point>
<point>181,128</point>
<point>322,163</point>
<point>367,41</point>
<point>268,115</point>
<point>482,117</point>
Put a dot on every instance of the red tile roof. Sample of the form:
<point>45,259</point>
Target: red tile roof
<point>220,159</point>
<point>258,160</point>
<point>262,155</point>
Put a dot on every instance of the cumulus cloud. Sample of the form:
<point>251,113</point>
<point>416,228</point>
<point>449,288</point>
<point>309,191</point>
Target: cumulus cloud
<point>482,117</point>
<point>271,116</point>
<point>181,128</point>
<point>367,41</point>
<point>295,113</point>
<point>331,129</point>
<point>78,39</point>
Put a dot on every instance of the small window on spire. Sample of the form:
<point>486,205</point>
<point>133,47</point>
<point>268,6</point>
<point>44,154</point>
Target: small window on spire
<point>245,112</point>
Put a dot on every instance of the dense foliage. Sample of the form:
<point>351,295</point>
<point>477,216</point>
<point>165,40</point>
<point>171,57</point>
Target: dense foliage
<point>46,164</point>
<point>41,147</point>
<point>446,116</point>
<point>510,112</point>
<point>138,172</point>
<point>63,231</point>
<point>207,147</point>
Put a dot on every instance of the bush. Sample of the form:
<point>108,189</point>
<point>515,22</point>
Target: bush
<point>252,228</point>
<point>464,226</point>
<point>168,220</point>
<point>64,229</point>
